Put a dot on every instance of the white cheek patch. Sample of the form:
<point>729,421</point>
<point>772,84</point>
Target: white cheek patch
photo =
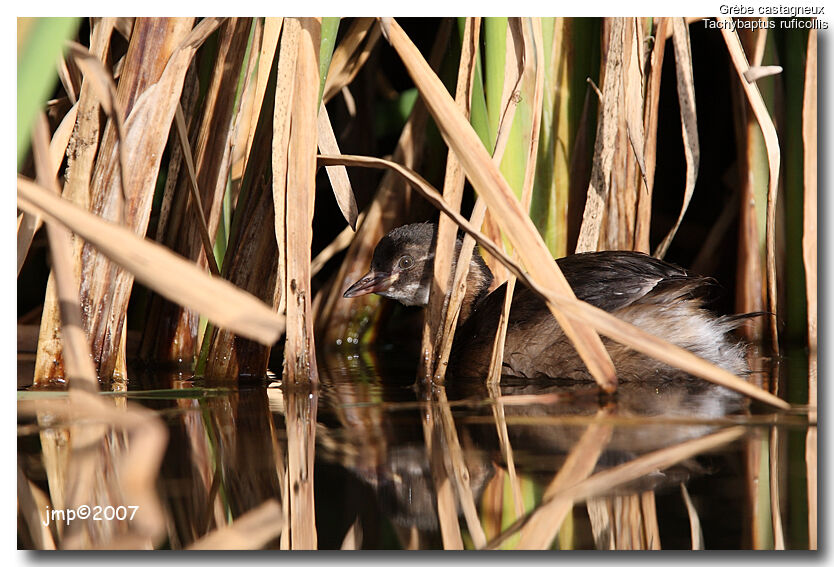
<point>408,294</point>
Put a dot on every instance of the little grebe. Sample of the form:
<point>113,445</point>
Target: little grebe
<point>654,295</point>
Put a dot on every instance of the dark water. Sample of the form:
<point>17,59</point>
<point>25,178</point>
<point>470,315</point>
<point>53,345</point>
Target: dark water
<point>383,449</point>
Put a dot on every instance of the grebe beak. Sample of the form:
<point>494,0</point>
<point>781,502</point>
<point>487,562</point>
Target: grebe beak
<point>372,282</point>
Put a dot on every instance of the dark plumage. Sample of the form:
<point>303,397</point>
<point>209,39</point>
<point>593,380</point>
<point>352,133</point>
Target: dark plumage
<point>656,296</point>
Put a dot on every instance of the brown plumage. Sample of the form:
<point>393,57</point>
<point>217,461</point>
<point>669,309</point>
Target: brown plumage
<point>656,296</point>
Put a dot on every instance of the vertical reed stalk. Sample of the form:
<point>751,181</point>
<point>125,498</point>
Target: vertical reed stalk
<point>301,168</point>
<point>446,505</point>
<point>81,155</point>
<point>642,227</point>
<point>176,334</point>
<point>809,236</point>
<point>649,513</point>
<point>299,349</point>
<point>157,74</point>
<point>604,146</point>
<point>434,324</point>
<point>533,74</point>
<point>251,258</point>
<point>776,463</point>
<point>809,256</point>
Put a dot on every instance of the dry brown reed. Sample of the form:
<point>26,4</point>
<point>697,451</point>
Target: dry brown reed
<point>205,237</point>
<point>776,464</point>
<point>338,175</point>
<point>81,151</point>
<point>605,142</point>
<point>300,195</point>
<point>453,183</point>
<point>159,268</point>
<point>771,140</point>
<point>91,422</point>
<point>148,93</point>
<point>689,122</point>
<point>809,256</point>
<point>533,72</point>
<point>650,119</point>
<point>544,523</point>
<point>253,530</point>
<point>76,350</point>
<point>694,521</point>
<point>610,478</point>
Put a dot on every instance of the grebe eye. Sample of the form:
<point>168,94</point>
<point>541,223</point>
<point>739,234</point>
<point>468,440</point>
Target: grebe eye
<point>405,262</point>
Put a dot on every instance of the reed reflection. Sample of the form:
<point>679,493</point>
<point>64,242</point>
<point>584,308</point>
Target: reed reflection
<point>388,433</point>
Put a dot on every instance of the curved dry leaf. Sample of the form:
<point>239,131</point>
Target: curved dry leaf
<point>160,269</point>
<point>689,122</point>
<point>253,530</point>
<point>771,139</point>
<point>350,55</point>
<point>694,521</point>
<point>339,180</point>
<point>753,74</point>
